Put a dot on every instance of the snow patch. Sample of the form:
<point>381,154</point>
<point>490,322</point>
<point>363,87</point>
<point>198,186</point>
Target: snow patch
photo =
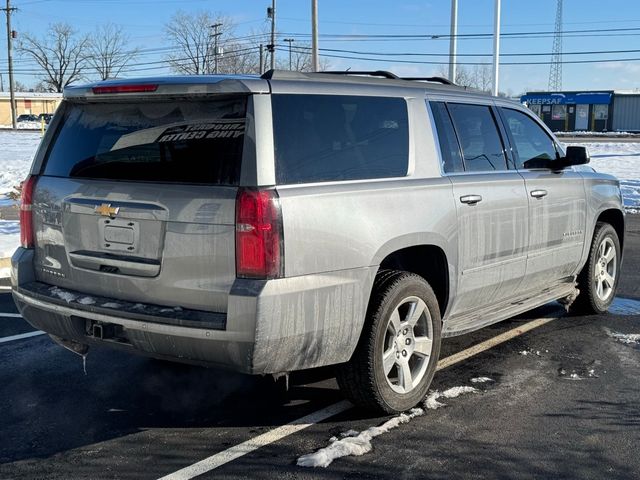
<point>86,301</point>
<point>9,237</point>
<point>481,380</point>
<point>626,338</point>
<point>66,296</point>
<point>353,443</point>
<point>111,305</point>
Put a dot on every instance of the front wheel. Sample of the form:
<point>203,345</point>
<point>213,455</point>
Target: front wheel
<point>599,278</point>
<point>396,357</point>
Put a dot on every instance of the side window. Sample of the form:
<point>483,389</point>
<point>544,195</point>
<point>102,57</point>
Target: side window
<point>451,158</point>
<point>533,147</point>
<point>323,138</point>
<point>479,138</point>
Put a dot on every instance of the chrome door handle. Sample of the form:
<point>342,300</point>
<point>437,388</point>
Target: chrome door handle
<point>538,193</point>
<point>471,199</point>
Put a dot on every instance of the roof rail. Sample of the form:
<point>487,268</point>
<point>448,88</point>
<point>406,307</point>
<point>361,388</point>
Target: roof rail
<point>371,73</point>
<point>444,81</point>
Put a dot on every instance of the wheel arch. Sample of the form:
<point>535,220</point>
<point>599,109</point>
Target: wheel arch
<point>615,218</point>
<point>429,259</point>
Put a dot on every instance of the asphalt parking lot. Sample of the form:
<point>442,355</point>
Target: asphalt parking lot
<point>563,402</point>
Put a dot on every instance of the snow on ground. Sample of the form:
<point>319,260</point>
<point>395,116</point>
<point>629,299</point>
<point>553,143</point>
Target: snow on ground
<point>16,152</point>
<point>358,443</point>
<point>9,237</point>
<point>622,160</point>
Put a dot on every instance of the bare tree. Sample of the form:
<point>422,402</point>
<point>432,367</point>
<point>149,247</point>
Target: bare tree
<point>61,54</point>
<point>482,78</point>
<point>193,39</point>
<point>108,52</point>
<point>300,59</point>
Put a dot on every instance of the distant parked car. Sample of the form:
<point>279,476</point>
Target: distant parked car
<point>27,117</point>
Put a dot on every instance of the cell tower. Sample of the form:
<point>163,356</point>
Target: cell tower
<point>555,73</point>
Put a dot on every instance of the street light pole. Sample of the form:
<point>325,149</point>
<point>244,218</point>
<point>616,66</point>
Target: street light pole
<point>496,49</point>
<point>289,41</point>
<point>315,64</point>
<point>453,41</point>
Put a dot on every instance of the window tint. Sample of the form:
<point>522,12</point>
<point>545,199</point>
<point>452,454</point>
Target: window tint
<point>331,137</point>
<point>479,139</point>
<point>169,141</point>
<point>452,161</point>
<point>533,147</point>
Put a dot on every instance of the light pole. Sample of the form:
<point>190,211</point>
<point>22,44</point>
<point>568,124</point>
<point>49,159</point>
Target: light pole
<point>289,41</point>
<point>453,41</point>
<point>315,64</point>
<point>496,49</point>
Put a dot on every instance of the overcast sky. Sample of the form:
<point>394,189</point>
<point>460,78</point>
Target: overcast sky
<point>144,20</point>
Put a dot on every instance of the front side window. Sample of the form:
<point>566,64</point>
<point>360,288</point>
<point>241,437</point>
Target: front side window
<point>533,147</point>
<point>479,139</point>
<point>323,138</point>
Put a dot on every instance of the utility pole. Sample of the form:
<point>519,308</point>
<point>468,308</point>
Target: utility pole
<point>216,34</point>
<point>453,41</point>
<point>1,83</point>
<point>260,69</point>
<point>289,41</point>
<point>315,64</point>
<point>8,10</point>
<point>496,49</point>
<point>271,13</point>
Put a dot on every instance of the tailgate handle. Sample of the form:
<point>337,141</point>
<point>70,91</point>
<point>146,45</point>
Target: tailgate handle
<point>122,266</point>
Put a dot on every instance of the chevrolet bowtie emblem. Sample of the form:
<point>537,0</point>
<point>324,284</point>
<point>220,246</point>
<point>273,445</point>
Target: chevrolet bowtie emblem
<point>106,210</point>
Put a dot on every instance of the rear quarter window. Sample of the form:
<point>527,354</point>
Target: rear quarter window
<point>194,141</point>
<point>322,138</point>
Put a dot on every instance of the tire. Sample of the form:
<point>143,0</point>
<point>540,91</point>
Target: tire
<point>395,360</point>
<point>598,279</point>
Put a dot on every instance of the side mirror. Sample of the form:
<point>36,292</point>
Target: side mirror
<point>576,155</point>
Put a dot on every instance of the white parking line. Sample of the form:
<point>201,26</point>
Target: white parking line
<point>10,315</point>
<point>21,336</point>
<point>237,451</point>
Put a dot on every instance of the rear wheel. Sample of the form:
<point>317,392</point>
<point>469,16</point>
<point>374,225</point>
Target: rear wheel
<point>396,358</point>
<point>599,278</point>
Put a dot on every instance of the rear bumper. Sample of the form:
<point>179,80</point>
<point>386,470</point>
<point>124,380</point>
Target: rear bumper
<point>270,326</point>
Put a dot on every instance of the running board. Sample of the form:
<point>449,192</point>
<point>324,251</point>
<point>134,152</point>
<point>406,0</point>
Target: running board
<point>496,313</point>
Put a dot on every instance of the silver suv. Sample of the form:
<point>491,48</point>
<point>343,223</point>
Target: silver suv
<point>284,222</point>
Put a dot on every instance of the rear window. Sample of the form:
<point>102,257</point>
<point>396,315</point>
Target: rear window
<point>320,138</point>
<point>172,141</point>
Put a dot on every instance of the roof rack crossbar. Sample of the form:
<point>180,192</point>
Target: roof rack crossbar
<point>371,73</point>
<point>444,81</point>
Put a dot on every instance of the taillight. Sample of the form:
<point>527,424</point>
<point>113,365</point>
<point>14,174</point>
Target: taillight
<point>258,234</point>
<point>26,212</point>
<point>140,88</point>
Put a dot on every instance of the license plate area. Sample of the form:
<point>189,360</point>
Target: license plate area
<point>119,235</point>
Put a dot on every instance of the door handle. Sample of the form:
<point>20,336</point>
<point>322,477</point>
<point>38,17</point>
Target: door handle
<point>538,193</point>
<point>471,199</point>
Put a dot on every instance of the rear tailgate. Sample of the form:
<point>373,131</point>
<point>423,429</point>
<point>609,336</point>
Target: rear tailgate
<point>136,200</point>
